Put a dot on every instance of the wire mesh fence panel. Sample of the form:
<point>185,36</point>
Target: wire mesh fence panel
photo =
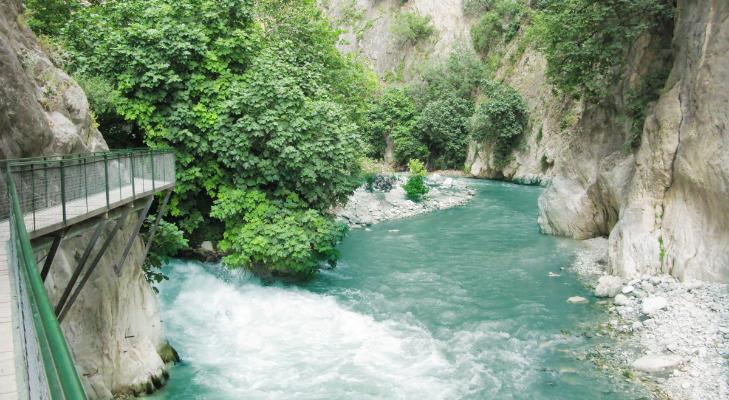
<point>53,189</point>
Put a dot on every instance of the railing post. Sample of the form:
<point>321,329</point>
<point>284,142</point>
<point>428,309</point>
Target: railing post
<point>134,189</point>
<point>63,192</point>
<point>106,178</point>
<point>152,156</point>
<point>86,184</point>
<point>32,194</point>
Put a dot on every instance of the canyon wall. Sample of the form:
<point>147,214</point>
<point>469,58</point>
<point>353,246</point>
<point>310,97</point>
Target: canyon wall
<point>665,204</point>
<point>114,329</point>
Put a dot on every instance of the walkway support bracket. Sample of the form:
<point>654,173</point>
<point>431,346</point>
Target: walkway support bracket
<point>153,231</point>
<point>51,254</point>
<point>137,228</point>
<point>119,226</point>
<point>79,268</point>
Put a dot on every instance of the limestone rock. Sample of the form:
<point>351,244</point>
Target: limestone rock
<point>657,363</point>
<point>608,286</point>
<point>577,300</point>
<point>621,300</point>
<point>651,305</point>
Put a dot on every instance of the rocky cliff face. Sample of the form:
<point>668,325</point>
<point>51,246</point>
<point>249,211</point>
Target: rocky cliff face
<point>114,329</point>
<point>675,217</point>
<point>367,31</point>
<point>665,206</point>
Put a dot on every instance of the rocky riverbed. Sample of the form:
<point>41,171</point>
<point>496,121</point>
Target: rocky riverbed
<point>671,335</point>
<point>370,207</point>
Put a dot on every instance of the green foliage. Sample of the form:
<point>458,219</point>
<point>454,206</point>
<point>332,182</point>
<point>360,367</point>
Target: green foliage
<point>500,118</point>
<point>460,75</point>
<point>476,7</point>
<point>415,188</point>
<point>48,17</point>
<point>283,237</point>
<point>410,28</point>
<point>586,41</point>
<point>253,96</point>
<point>487,32</point>
<point>444,126</point>
<point>638,101</point>
<point>393,116</point>
<point>167,242</point>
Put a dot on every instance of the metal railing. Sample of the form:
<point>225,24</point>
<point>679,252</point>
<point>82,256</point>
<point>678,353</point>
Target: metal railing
<point>52,191</point>
<point>60,188</point>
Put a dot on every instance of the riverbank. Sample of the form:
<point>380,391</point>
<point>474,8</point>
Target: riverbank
<point>672,336</point>
<point>365,207</point>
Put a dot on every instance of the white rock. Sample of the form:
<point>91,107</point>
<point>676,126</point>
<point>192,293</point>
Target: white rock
<point>657,362</point>
<point>627,289</point>
<point>621,300</point>
<point>577,300</point>
<point>207,246</point>
<point>608,286</point>
<point>552,275</point>
<point>653,304</point>
<point>448,182</point>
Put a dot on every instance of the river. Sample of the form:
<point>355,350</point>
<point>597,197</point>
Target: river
<point>456,304</point>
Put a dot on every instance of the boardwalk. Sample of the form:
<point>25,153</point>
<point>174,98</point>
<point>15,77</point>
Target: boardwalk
<point>40,223</point>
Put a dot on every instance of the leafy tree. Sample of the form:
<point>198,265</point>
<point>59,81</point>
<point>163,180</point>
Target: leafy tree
<point>252,95</point>
<point>415,188</point>
<point>444,126</point>
<point>500,118</point>
<point>48,17</point>
<point>393,116</point>
<point>586,41</point>
<point>275,237</point>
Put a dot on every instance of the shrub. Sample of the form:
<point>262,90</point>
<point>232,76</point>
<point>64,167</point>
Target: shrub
<point>379,182</point>
<point>410,28</point>
<point>487,32</point>
<point>476,7</point>
<point>415,188</point>
<point>460,75</point>
<point>586,41</point>
<point>500,118</point>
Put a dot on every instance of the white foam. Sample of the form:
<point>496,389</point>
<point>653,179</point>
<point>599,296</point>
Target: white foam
<point>250,341</point>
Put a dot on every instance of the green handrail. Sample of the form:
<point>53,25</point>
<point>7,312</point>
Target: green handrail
<point>51,339</point>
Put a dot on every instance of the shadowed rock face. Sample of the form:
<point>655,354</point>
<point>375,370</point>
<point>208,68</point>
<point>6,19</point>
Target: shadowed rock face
<point>114,329</point>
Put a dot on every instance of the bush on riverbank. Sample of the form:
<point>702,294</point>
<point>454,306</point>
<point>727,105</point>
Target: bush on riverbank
<point>415,188</point>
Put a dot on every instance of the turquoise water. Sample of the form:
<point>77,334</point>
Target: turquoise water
<point>451,305</point>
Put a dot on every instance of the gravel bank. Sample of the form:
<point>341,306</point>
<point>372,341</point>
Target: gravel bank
<point>673,336</point>
<point>366,208</point>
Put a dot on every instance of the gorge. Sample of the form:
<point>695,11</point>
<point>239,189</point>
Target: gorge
<point>597,131</point>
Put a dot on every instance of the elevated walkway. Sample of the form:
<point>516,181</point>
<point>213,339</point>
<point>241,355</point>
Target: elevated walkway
<point>47,197</point>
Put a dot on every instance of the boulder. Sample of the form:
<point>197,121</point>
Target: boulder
<point>608,286</point>
<point>651,305</point>
<point>657,363</point>
<point>621,300</point>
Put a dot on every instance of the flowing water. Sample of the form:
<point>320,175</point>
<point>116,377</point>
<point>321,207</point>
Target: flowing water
<point>456,304</point>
